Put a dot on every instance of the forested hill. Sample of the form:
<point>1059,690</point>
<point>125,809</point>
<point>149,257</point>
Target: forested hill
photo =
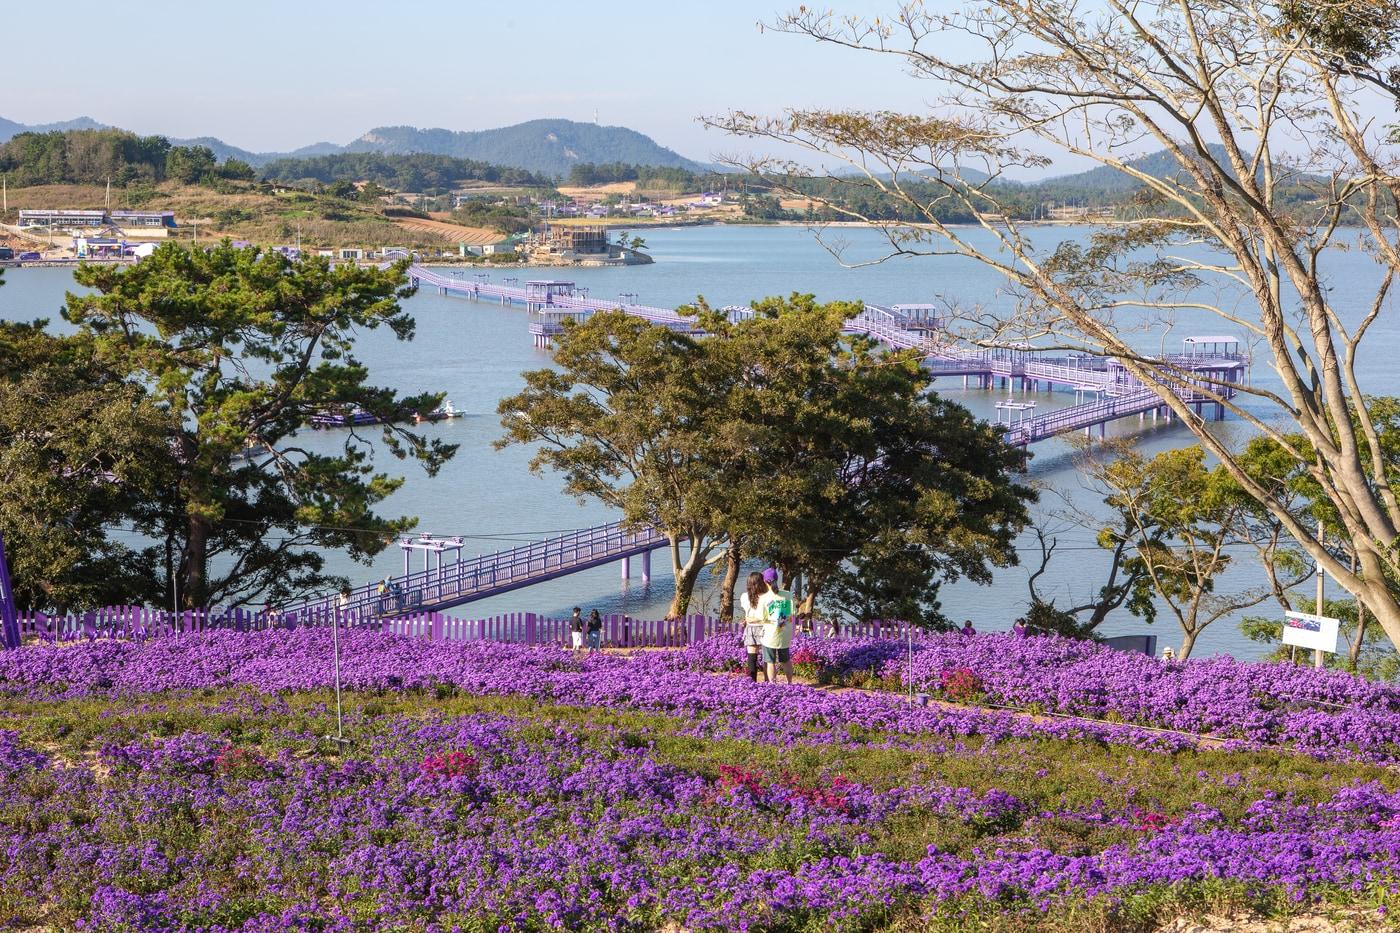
<point>406,172</point>
<point>10,129</point>
<point>544,147</point>
<point>550,147</point>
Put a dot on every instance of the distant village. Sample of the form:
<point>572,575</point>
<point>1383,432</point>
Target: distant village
<point>582,229</point>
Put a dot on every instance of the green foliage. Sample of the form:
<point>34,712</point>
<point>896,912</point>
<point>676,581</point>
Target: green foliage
<point>99,156</point>
<point>646,176</point>
<point>79,446</point>
<point>240,348</point>
<point>189,164</point>
<point>1043,618</point>
<point>418,171</point>
<point>626,416</point>
<point>1373,657</point>
<point>1179,520</point>
<point>496,214</point>
<point>1359,33</point>
<point>83,157</point>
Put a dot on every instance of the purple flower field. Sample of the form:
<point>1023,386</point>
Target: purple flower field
<point>186,783</point>
<point>1324,713</point>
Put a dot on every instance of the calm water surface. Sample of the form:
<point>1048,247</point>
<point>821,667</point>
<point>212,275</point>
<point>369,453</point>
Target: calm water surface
<point>475,352</point>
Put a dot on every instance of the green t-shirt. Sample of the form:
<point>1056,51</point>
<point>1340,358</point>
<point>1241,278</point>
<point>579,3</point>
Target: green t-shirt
<point>777,617</point>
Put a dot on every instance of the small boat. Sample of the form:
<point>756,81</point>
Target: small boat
<point>355,415</point>
<point>443,412</point>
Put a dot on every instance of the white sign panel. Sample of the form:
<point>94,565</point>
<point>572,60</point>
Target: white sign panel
<point>1305,631</point>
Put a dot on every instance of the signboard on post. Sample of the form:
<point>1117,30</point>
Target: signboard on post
<point>1308,631</point>
<point>9,612</point>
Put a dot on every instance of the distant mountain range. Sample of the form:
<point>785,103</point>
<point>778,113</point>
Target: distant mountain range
<point>9,128</point>
<point>548,147</point>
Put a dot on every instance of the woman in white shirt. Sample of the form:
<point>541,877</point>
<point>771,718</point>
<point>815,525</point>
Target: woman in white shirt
<point>754,620</point>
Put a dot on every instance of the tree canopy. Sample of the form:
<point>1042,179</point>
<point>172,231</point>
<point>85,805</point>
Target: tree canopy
<point>99,156</point>
<point>416,171</point>
<point>174,413</point>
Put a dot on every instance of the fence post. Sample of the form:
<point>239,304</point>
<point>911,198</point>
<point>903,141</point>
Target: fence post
<point>437,626</point>
<point>530,622</point>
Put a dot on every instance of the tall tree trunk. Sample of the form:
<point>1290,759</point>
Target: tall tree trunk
<point>686,574</point>
<point>1188,641</point>
<point>194,588</point>
<point>732,559</point>
<point>1354,651</point>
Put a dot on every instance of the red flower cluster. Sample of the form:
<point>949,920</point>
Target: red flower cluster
<point>788,787</point>
<point>237,761</point>
<point>1153,822</point>
<point>449,765</point>
<point>961,685</point>
<point>831,796</point>
<point>806,656</point>
<point>737,778</point>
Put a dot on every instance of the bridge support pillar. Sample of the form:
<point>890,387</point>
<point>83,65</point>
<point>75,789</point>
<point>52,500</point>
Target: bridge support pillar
<point>646,566</point>
<point>1219,411</point>
<point>626,568</point>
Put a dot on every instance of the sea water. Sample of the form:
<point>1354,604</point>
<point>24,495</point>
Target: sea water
<point>475,352</point>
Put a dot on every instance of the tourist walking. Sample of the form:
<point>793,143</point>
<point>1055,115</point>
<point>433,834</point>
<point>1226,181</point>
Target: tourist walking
<point>752,633</point>
<point>777,629</point>
<point>595,631</point>
<point>576,629</point>
<point>1168,654</point>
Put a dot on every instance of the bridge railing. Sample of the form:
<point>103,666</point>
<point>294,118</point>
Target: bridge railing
<point>535,561</point>
<point>1067,375</point>
<point>1081,416</point>
<point>137,623</point>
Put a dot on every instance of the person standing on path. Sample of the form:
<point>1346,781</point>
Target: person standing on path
<point>595,631</point>
<point>576,629</point>
<point>752,634</point>
<point>777,607</point>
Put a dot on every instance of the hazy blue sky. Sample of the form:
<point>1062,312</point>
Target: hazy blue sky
<point>277,75</point>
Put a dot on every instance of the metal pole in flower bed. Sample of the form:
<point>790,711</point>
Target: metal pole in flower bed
<point>909,629</point>
<point>335,649</point>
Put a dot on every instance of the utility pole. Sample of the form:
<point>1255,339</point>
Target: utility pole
<point>1321,576</point>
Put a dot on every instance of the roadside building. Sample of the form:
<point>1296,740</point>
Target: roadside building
<point>96,247</point>
<point>144,224</point>
<point>63,220</point>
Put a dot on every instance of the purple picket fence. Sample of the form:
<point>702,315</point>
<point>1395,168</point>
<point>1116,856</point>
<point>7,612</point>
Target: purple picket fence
<point>522,628</point>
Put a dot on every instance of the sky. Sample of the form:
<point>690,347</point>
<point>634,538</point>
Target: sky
<point>272,76</point>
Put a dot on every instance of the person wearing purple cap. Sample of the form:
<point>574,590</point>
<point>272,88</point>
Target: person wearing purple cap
<point>777,606</point>
<point>749,601</point>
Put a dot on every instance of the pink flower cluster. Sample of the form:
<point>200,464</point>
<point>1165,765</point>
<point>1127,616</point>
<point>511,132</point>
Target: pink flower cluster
<point>449,765</point>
